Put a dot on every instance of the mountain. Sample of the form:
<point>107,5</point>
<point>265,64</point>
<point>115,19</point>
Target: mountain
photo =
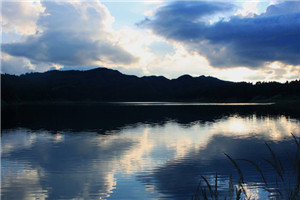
<point>103,84</point>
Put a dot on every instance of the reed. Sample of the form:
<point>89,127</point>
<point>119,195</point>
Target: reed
<point>285,190</point>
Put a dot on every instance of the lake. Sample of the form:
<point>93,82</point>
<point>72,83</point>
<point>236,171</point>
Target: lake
<point>141,150</point>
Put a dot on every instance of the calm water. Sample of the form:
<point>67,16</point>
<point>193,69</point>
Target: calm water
<point>137,151</point>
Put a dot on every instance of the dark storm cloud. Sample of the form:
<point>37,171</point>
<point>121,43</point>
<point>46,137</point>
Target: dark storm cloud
<point>71,36</point>
<point>238,41</point>
<point>191,10</point>
<point>67,49</point>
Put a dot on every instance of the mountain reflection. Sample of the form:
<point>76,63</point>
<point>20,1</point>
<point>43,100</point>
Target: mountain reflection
<point>147,154</point>
<point>113,117</point>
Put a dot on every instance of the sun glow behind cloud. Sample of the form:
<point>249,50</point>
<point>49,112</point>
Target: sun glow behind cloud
<point>109,35</point>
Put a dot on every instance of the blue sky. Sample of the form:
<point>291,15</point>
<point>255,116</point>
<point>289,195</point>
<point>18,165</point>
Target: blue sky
<point>236,40</point>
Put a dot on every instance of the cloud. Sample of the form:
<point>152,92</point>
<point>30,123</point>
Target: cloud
<point>191,10</point>
<point>72,34</point>
<point>14,65</point>
<point>283,8</point>
<point>20,17</point>
<point>237,41</point>
<point>129,147</point>
<point>21,65</point>
<point>98,179</point>
<point>211,38</point>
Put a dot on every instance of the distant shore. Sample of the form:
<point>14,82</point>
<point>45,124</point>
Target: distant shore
<point>105,85</point>
<point>286,103</point>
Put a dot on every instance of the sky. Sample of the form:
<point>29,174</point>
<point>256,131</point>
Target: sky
<point>231,40</point>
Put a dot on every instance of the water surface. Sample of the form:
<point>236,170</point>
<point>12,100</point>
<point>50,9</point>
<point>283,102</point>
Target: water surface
<point>137,152</point>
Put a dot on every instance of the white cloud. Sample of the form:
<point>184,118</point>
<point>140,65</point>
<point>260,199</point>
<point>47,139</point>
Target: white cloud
<point>72,34</point>
<point>182,61</point>
<point>15,65</point>
<point>178,63</point>
<point>170,64</point>
<point>21,65</point>
<point>67,34</point>
<point>148,13</point>
<point>20,17</point>
<point>249,8</point>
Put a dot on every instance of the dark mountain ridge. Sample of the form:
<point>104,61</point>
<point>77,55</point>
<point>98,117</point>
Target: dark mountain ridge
<point>102,84</point>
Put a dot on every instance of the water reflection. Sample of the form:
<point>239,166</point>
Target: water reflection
<point>150,158</point>
<point>186,104</point>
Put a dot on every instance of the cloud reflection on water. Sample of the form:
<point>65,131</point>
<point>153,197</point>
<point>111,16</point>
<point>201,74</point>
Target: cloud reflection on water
<point>164,159</point>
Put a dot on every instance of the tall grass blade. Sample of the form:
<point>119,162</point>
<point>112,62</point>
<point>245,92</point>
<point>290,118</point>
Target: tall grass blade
<point>238,193</point>
<point>285,188</point>
<point>295,139</point>
<point>196,194</point>
<point>292,161</point>
<point>275,167</point>
<point>216,186</point>
<point>258,169</point>
<point>279,192</point>
<point>204,195</point>
<point>236,167</point>
<point>230,188</point>
<point>209,187</point>
<point>241,182</point>
<point>243,189</point>
<point>296,191</point>
<point>276,160</point>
